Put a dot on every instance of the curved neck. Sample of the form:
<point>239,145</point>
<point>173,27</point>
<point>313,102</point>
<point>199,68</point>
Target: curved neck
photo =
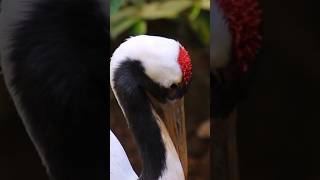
<point>138,112</point>
<point>173,168</point>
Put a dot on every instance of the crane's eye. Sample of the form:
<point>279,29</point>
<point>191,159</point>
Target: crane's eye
<point>173,86</point>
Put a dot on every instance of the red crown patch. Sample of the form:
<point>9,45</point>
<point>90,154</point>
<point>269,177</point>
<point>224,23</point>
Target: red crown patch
<point>185,65</point>
<point>244,19</point>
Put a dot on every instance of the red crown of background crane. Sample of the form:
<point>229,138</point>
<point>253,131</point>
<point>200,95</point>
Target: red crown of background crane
<point>244,20</point>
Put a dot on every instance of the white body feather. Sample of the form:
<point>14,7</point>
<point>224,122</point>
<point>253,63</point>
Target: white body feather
<point>120,167</point>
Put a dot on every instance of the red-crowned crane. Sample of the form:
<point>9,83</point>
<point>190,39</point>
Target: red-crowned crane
<point>235,42</point>
<point>149,76</point>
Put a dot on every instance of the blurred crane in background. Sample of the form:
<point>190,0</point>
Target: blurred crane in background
<point>235,42</point>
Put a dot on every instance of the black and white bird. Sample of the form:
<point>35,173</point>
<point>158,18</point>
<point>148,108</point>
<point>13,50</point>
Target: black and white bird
<point>54,59</point>
<point>149,76</point>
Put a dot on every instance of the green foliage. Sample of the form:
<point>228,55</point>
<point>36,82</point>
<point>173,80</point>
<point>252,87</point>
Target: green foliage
<point>115,5</point>
<point>139,28</point>
<point>133,15</point>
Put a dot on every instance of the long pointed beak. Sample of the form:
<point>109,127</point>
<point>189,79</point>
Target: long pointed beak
<point>172,115</point>
<point>174,119</point>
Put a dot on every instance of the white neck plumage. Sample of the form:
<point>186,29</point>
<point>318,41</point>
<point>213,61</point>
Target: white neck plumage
<point>173,167</point>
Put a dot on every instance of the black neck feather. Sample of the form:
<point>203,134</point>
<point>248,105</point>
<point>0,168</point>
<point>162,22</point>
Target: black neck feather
<point>58,80</point>
<point>130,83</point>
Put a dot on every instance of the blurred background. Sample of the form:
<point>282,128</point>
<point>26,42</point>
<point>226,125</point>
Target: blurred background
<point>189,23</point>
<point>278,124</point>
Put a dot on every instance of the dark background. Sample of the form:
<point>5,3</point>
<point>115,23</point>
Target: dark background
<point>278,127</point>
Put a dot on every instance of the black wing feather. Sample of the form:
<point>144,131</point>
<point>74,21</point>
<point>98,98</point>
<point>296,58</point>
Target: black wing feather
<point>59,82</point>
